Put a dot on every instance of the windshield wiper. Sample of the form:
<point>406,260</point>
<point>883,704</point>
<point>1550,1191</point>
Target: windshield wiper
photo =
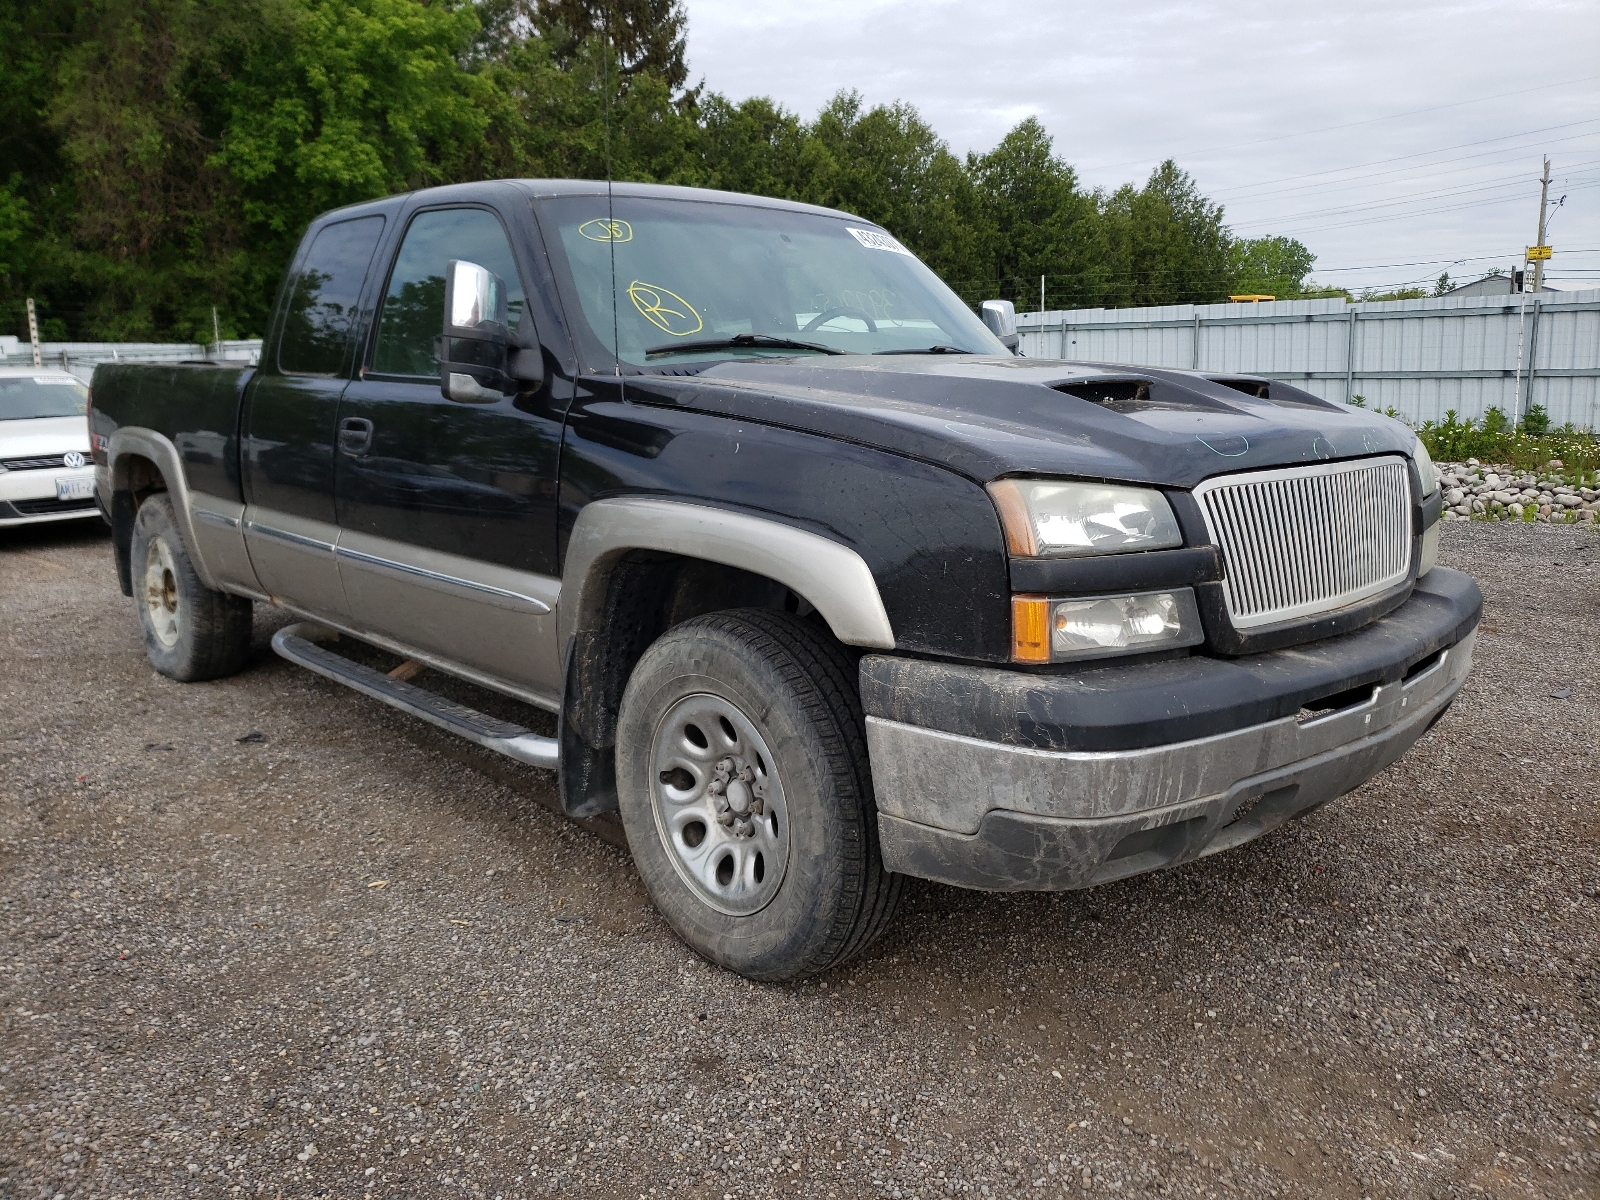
<point>741,340</point>
<point>929,350</point>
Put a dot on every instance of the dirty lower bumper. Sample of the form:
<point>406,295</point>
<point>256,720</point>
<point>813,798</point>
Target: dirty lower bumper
<point>982,813</point>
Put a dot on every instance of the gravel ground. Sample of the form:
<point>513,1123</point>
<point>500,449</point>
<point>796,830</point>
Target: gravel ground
<point>266,937</point>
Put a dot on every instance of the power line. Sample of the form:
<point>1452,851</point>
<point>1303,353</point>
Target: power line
<point>1423,213</point>
<point>1499,183</point>
<point>1505,154</point>
<point>1378,162</point>
<point>1353,124</point>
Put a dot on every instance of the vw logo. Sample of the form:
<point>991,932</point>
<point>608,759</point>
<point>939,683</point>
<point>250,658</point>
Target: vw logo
<point>72,459</point>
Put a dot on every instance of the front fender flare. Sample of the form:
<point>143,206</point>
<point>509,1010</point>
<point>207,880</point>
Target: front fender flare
<point>830,576</point>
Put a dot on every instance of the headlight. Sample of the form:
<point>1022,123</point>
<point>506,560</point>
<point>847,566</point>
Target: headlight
<point>1046,518</point>
<point>1046,630</point>
<point>1425,468</point>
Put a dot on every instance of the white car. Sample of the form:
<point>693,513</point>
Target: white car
<point>46,470</point>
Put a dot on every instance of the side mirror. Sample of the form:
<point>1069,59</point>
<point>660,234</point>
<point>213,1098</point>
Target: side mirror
<point>1001,318</point>
<point>472,349</point>
<point>525,364</point>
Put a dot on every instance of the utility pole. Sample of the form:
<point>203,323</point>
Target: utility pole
<point>33,333</point>
<point>1538,278</point>
<point>1544,205</point>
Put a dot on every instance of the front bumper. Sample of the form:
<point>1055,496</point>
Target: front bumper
<point>1035,803</point>
<point>29,497</point>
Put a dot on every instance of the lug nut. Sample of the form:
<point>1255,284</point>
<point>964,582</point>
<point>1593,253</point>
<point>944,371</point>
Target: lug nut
<point>725,818</point>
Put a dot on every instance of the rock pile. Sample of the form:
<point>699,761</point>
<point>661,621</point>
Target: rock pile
<point>1480,492</point>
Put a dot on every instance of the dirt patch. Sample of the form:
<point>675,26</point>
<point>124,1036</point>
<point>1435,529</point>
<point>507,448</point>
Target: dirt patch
<point>352,956</point>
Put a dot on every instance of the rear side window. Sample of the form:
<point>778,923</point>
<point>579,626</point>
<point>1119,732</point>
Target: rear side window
<point>413,309</point>
<point>323,300</point>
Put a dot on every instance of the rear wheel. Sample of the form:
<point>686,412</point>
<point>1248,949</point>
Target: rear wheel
<point>191,632</point>
<point>744,786</point>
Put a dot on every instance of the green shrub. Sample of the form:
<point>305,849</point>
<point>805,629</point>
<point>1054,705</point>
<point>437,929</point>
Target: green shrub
<point>1528,447</point>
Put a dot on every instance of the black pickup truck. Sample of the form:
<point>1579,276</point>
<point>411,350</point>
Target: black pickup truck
<point>823,583</point>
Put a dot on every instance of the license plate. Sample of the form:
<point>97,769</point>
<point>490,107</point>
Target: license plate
<point>74,489</point>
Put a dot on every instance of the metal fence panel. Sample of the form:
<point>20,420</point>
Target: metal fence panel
<point>1422,358</point>
<point>81,358</point>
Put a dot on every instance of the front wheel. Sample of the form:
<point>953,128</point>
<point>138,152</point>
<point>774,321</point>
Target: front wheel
<point>745,791</point>
<point>191,632</point>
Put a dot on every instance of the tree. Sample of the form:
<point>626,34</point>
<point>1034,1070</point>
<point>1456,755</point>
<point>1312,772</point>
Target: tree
<point>1167,242</point>
<point>159,157</point>
<point>887,165</point>
<point>1272,266</point>
<point>1033,221</point>
<point>647,37</point>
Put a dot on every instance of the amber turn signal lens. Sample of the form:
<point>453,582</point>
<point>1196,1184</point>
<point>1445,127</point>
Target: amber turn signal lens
<point>1030,629</point>
<point>1015,518</point>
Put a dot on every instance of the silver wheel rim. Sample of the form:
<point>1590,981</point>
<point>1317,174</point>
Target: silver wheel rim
<point>719,804</point>
<point>161,592</point>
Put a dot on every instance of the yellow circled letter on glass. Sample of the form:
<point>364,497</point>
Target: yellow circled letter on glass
<point>605,229</point>
<point>665,309</point>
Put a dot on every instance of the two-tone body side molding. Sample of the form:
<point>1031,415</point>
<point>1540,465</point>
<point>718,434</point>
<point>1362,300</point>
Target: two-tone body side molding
<point>296,643</point>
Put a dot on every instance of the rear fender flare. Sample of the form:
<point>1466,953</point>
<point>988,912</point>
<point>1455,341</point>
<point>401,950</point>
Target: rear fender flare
<point>133,441</point>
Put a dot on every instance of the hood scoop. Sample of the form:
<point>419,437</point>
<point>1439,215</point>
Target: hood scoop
<point>1141,395</point>
<point>1274,392</point>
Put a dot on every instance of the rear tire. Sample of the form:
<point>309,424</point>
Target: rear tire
<point>191,632</point>
<point>745,791</point>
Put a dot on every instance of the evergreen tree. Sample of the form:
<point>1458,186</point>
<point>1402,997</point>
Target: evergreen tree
<point>647,37</point>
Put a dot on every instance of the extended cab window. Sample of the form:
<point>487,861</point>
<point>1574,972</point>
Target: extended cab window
<point>323,300</point>
<point>413,308</point>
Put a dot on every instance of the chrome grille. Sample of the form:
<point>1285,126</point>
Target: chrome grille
<point>37,464</point>
<point>1301,541</point>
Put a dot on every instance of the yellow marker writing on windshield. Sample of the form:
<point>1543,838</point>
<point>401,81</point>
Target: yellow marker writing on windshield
<point>603,229</point>
<point>665,309</point>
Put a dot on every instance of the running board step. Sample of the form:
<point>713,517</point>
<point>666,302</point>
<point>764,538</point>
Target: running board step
<point>502,737</point>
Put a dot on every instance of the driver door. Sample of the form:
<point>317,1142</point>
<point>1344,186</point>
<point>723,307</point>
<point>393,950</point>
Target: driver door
<point>446,510</point>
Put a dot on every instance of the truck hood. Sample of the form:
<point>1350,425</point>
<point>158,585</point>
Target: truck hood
<point>988,417</point>
<point>39,436</point>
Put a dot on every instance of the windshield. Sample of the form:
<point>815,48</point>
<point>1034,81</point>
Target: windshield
<point>23,397</point>
<point>699,281</point>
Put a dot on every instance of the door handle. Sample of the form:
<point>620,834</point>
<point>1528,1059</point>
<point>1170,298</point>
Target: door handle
<point>355,435</point>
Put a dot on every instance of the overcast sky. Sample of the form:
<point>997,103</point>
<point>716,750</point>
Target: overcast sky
<point>1392,138</point>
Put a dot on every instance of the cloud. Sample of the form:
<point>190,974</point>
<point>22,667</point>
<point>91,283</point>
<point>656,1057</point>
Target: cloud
<point>1301,120</point>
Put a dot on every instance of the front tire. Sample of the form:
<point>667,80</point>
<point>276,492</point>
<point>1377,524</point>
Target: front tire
<point>746,795</point>
<point>191,632</point>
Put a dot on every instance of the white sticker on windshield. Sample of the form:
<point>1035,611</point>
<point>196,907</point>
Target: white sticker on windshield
<point>876,239</point>
<point>55,379</point>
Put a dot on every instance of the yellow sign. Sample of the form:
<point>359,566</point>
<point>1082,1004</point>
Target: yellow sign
<point>602,230</point>
<point>1539,253</point>
<point>664,309</point>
